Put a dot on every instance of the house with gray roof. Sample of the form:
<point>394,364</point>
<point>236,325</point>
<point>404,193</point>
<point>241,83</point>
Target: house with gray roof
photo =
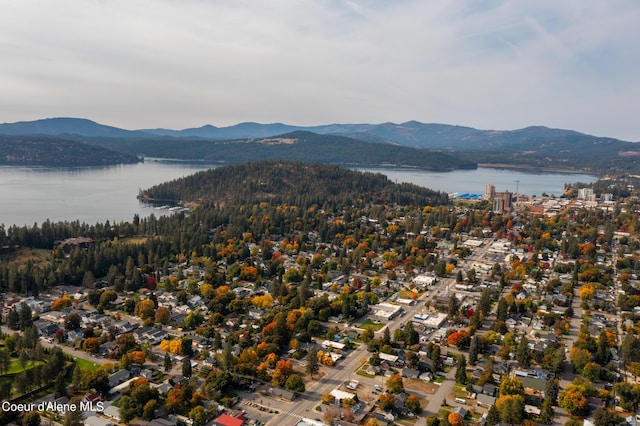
<point>118,377</point>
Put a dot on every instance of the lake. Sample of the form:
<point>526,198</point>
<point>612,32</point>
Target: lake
<point>33,194</point>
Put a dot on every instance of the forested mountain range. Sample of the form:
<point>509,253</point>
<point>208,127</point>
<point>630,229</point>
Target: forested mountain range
<point>65,126</point>
<point>54,151</point>
<point>532,147</point>
<point>289,182</point>
<point>299,146</point>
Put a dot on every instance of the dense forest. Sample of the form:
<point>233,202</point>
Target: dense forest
<point>296,146</point>
<point>54,151</point>
<point>295,199</point>
<point>292,182</point>
<point>564,151</point>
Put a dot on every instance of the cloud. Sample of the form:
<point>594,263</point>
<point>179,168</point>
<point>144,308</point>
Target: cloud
<point>492,64</point>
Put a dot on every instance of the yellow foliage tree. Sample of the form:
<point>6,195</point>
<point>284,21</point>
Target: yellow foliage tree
<point>587,291</point>
<point>262,302</point>
<point>173,346</point>
<point>61,303</point>
<point>207,291</point>
<point>448,269</point>
<point>325,359</point>
<point>145,309</point>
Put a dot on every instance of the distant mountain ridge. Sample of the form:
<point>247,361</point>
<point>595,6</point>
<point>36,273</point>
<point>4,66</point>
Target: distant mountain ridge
<point>410,133</point>
<point>534,147</point>
<point>66,126</point>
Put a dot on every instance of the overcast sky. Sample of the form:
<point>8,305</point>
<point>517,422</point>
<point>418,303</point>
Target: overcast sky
<point>572,64</point>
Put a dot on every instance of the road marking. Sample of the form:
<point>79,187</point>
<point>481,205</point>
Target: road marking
<point>289,413</point>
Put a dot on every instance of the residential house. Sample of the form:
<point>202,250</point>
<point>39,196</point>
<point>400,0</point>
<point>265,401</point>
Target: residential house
<point>171,421</point>
<point>485,400</point>
<point>410,373</point>
<point>118,377</point>
<point>490,389</point>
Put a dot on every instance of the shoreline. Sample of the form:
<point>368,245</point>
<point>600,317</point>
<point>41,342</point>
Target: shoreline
<point>532,169</point>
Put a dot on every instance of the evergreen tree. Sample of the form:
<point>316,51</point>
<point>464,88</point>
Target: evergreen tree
<point>346,307</point>
<point>476,319</point>
<point>552,389</point>
<point>13,319</point>
<point>26,319</point>
<point>453,307</point>
<point>168,364</point>
<point>604,417</point>
<point>493,416</point>
<point>76,378</point>
<point>186,345</point>
<point>386,336</point>
<point>627,347</point>
<point>473,350</point>
<point>226,360</point>
<point>546,411</point>
<point>374,359</point>
<point>281,330</point>
<point>484,304</point>
<point>186,367</point>
<point>523,353</point>
<point>503,307</point>
<point>603,354</point>
<point>217,341</point>
<point>461,371</point>
<point>60,387</point>
<point>312,362</point>
<point>303,289</point>
<point>5,360</point>
<point>411,336</point>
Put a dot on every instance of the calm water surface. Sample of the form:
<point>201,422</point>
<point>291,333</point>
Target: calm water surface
<point>32,195</point>
<point>474,181</point>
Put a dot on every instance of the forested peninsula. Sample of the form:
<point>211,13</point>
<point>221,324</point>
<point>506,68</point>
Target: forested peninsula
<point>289,182</point>
<point>54,151</point>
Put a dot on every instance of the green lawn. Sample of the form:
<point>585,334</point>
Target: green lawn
<point>406,421</point>
<point>86,365</point>
<point>16,368</point>
<point>362,370</point>
<point>370,325</point>
<point>407,294</point>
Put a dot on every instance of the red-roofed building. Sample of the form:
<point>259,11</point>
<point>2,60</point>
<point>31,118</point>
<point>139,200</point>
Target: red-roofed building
<point>227,420</point>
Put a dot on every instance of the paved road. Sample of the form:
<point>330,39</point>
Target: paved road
<point>344,371</point>
<point>304,405</point>
<point>435,400</point>
<point>66,349</point>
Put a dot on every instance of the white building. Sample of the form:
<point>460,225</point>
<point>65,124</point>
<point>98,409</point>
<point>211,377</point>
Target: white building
<point>424,279</point>
<point>387,311</point>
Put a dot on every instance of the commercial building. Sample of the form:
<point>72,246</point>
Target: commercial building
<point>502,202</point>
